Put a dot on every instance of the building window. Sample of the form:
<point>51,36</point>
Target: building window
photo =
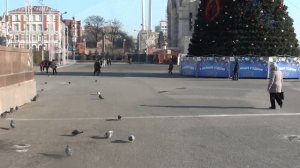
<point>40,18</point>
<point>26,27</point>
<point>40,27</point>
<point>33,18</point>
<point>50,17</point>
<point>34,38</point>
<point>16,27</point>
<point>16,17</point>
<point>17,37</point>
<point>40,38</point>
<point>34,27</point>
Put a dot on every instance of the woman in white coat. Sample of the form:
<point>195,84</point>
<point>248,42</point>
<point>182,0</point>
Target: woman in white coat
<point>275,86</point>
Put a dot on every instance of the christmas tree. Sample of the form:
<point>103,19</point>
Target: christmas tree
<point>240,27</point>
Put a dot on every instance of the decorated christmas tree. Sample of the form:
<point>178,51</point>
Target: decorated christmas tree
<point>240,27</point>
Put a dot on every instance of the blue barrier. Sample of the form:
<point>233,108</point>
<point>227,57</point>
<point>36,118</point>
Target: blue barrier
<point>250,66</point>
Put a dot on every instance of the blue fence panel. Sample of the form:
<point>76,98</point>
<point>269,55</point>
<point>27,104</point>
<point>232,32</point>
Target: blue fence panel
<point>250,67</point>
<point>213,67</point>
<point>188,66</point>
<point>253,67</point>
<point>289,66</point>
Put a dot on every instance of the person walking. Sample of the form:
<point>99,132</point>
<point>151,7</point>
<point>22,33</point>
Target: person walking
<point>275,86</point>
<point>236,71</point>
<point>47,65</point>
<point>97,67</point>
<point>54,67</point>
<point>170,67</point>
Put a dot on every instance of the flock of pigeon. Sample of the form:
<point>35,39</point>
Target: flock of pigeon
<point>68,150</point>
<point>107,135</point>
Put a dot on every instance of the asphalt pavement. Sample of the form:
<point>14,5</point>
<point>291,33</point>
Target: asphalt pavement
<point>178,122</point>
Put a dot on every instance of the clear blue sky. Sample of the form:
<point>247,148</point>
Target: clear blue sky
<point>126,11</point>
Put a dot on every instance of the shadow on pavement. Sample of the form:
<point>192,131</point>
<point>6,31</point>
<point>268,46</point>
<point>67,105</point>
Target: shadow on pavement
<point>112,119</point>
<point>116,74</point>
<point>119,141</point>
<point>216,107</point>
<point>67,135</point>
<point>4,128</point>
<point>54,156</point>
<point>98,137</point>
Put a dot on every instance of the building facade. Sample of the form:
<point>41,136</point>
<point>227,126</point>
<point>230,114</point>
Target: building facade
<point>163,27</point>
<point>73,35</point>
<point>181,19</point>
<point>31,29</point>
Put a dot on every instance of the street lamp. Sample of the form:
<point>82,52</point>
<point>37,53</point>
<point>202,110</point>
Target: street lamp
<point>43,45</point>
<point>63,30</point>
<point>124,42</point>
<point>6,22</point>
<point>146,41</point>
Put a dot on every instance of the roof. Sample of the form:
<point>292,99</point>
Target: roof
<point>35,9</point>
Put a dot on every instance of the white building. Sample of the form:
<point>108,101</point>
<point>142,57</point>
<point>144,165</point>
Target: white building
<point>163,27</point>
<point>30,27</point>
<point>181,19</point>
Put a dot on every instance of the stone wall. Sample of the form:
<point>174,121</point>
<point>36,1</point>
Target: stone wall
<point>17,83</point>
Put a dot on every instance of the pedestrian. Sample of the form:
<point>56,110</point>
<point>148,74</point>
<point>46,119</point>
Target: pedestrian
<point>275,86</point>
<point>47,65</point>
<point>42,65</point>
<point>97,67</point>
<point>170,67</point>
<point>236,71</point>
<point>54,67</point>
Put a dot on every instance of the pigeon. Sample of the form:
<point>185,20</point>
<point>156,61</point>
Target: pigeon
<point>35,98</point>
<point>42,90</point>
<point>76,132</point>
<point>131,138</point>
<point>119,117</point>
<point>68,151</point>
<point>69,83</point>
<point>16,108</point>
<point>45,83</point>
<point>12,124</point>
<point>96,81</point>
<point>11,110</point>
<point>3,115</point>
<point>109,134</point>
<point>100,96</point>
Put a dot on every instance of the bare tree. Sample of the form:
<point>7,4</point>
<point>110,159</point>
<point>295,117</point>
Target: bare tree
<point>94,28</point>
<point>115,30</point>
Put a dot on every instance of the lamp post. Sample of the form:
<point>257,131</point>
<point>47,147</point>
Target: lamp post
<point>63,30</point>
<point>6,22</point>
<point>146,41</point>
<point>74,37</point>
<point>124,44</point>
<point>43,45</point>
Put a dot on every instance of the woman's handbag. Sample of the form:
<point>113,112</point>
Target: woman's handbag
<point>281,95</point>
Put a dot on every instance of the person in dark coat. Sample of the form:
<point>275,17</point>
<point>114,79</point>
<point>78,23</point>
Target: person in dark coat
<point>47,65</point>
<point>170,67</point>
<point>236,71</point>
<point>42,65</point>
<point>97,67</point>
<point>54,67</point>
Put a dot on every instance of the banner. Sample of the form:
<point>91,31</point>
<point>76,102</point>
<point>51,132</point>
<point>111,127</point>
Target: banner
<point>252,67</point>
<point>290,66</point>
<point>213,67</point>
<point>188,66</point>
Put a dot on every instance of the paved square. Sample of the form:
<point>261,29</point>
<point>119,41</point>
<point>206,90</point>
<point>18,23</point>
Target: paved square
<point>178,122</point>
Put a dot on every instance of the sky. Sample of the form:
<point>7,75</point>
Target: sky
<point>128,12</point>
